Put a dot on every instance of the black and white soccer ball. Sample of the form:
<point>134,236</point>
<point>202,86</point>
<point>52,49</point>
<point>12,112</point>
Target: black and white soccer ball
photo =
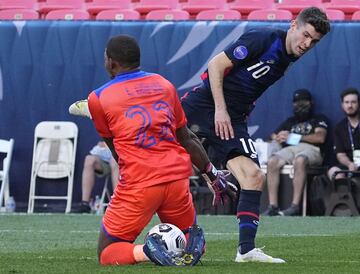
<point>174,239</point>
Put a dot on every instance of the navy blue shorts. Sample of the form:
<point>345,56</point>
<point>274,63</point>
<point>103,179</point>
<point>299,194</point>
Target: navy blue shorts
<point>200,115</point>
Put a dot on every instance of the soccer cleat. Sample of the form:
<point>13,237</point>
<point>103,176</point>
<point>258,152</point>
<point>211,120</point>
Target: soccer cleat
<point>80,108</point>
<point>256,255</point>
<point>155,250</point>
<point>195,246</point>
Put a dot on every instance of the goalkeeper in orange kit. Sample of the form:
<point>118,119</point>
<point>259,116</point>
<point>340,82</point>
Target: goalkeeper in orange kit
<point>139,116</point>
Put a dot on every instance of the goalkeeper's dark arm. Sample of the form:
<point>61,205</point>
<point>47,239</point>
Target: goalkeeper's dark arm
<point>110,144</point>
<point>214,178</point>
<point>194,147</point>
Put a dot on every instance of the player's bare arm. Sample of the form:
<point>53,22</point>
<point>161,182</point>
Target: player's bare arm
<point>193,146</point>
<point>216,179</point>
<point>216,69</point>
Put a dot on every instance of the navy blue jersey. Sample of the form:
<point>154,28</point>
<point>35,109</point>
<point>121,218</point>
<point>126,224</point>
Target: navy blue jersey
<point>260,59</point>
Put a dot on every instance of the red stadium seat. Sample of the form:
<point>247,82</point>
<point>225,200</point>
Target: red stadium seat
<point>145,6</point>
<point>195,6</point>
<point>270,14</point>
<point>118,14</point>
<point>247,6</point>
<point>168,15</point>
<point>67,14</point>
<point>335,14</point>
<point>96,6</point>
<point>295,6</point>
<point>18,14</point>
<point>356,16</point>
<point>50,5</point>
<point>347,6</point>
<point>218,15</point>
<point>18,4</point>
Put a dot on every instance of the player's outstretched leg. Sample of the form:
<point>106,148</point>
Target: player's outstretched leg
<point>248,215</point>
<point>80,108</point>
<point>195,246</point>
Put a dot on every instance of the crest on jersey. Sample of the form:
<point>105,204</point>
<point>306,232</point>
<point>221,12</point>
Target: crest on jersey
<point>240,52</point>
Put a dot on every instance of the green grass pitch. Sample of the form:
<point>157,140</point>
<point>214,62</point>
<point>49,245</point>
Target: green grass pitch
<point>67,244</point>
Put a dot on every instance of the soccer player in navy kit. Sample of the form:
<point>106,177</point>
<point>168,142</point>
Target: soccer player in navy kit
<point>234,80</point>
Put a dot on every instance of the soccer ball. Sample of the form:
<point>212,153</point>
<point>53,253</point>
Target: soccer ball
<point>174,238</point>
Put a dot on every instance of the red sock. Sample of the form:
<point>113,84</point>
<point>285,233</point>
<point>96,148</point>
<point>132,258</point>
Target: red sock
<point>118,253</point>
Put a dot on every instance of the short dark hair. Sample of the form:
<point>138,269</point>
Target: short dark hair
<point>125,50</point>
<point>315,17</point>
<point>349,91</point>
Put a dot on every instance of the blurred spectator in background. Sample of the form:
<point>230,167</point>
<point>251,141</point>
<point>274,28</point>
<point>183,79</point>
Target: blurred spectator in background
<point>347,135</point>
<point>99,163</point>
<point>302,137</point>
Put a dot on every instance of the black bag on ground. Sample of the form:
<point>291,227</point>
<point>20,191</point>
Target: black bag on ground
<point>318,191</point>
<point>356,191</point>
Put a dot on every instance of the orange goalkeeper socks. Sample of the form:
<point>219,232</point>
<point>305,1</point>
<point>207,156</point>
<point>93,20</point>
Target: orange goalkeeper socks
<point>122,253</point>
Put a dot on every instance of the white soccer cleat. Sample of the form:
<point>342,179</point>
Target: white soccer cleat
<point>80,108</point>
<point>257,255</point>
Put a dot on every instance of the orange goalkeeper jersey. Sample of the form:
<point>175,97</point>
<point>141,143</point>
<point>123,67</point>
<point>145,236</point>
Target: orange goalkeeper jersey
<point>141,112</point>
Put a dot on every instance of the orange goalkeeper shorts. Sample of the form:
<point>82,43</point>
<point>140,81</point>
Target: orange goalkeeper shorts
<point>131,210</point>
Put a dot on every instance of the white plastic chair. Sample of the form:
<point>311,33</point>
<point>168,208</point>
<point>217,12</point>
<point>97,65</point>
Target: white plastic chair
<point>6,146</point>
<point>106,193</point>
<point>53,158</point>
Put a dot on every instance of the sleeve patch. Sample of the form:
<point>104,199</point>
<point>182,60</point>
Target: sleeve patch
<point>240,52</point>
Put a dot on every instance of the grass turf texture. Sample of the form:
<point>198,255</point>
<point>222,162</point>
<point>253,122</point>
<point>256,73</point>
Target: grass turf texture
<point>67,244</point>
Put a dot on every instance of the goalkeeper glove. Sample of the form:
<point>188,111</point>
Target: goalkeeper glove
<point>80,108</point>
<point>155,250</point>
<point>195,246</point>
<point>219,186</point>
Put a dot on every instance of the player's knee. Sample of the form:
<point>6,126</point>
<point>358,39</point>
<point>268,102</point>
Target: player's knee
<point>255,179</point>
<point>100,249</point>
<point>103,242</point>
